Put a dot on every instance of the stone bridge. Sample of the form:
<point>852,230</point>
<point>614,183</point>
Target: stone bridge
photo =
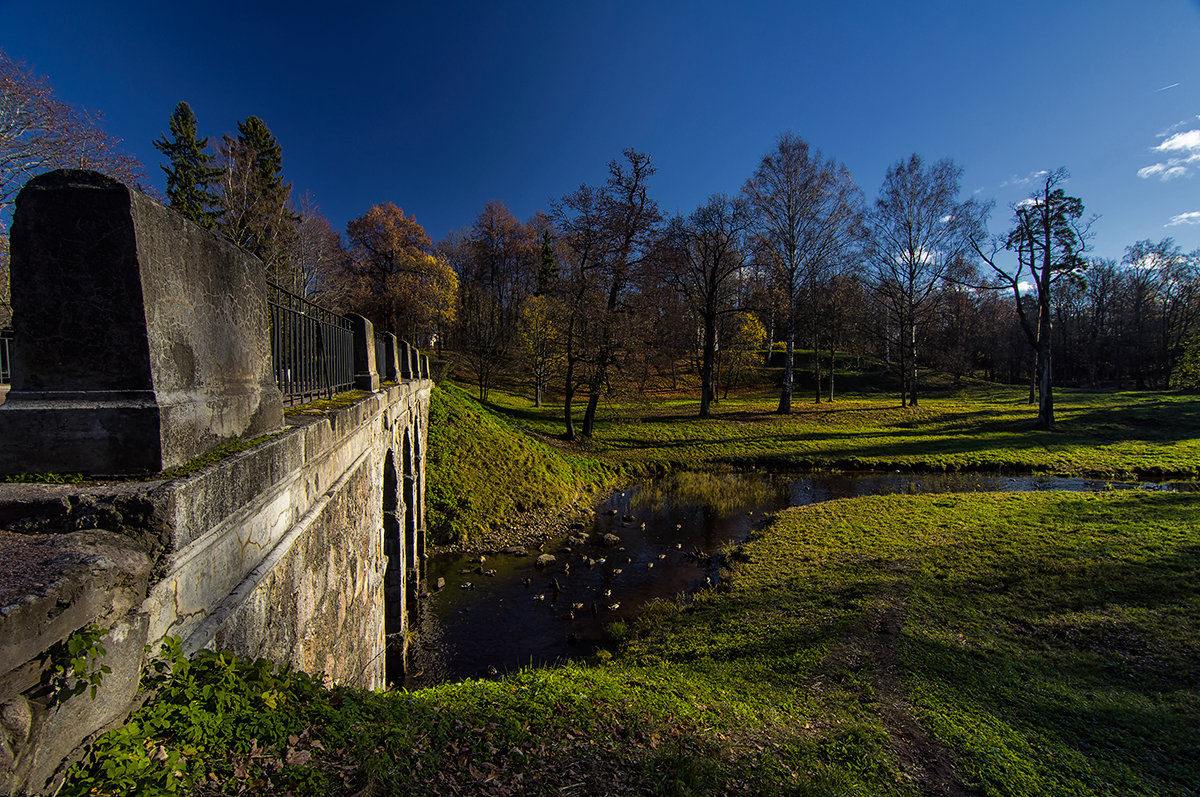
<point>142,360</point>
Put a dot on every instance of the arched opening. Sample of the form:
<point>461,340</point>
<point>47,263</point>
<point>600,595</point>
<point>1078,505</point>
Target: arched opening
<point>419,497</point>
<point>409,494</point>
<point>393,580</point>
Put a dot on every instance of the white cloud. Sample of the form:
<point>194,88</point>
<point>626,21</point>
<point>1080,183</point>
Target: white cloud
<point>1029,178</point>
<point>1182,150</point>
<point>1175,127</point>
<point>1187,141</point>
<point>1166,171</point>
<point>1191,217</point>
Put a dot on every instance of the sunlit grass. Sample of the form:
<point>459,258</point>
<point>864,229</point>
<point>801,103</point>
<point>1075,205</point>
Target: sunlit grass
<point>1033,644</point>
<point>981,427</point>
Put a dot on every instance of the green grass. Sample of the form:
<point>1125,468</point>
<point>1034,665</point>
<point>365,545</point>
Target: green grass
<point>1034,644</point>
<point>976,427</point>
<point>482,472</point>
<point>490,461</point>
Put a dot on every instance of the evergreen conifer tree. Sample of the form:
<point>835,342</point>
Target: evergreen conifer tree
<point>254,202</point>
<point>190,172</point>
<point>547,273</point>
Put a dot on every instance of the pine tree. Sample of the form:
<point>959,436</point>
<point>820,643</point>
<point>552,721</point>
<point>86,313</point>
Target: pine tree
<point>547,273</point>
<point>254,201</point>
<point>190,172</point>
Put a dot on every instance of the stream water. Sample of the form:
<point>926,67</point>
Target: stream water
<point>507,612</point>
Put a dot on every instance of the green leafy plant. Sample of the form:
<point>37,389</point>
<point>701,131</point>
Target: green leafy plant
<point>75,665</point>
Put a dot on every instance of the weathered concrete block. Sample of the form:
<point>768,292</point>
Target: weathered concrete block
<point>391,358</point>
<point>406,369</point>
<point>141,339</point>
<point>365,377</point>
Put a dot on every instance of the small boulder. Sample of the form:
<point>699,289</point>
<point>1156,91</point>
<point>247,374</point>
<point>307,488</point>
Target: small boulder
<point>441,582</point>
<point>545,560</point>
<point>610,540</point>
<point>515,550</point>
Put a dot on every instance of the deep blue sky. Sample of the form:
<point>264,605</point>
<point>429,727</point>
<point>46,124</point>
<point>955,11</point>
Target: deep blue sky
<point>440,107</point>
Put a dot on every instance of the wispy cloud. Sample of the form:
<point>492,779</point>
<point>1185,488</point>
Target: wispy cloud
<point>1180,151</point>
<point>1191,217</point>
<point>1026,180</point>
<point>1176,126</point>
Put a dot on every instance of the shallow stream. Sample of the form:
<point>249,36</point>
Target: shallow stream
<point>506,612</point>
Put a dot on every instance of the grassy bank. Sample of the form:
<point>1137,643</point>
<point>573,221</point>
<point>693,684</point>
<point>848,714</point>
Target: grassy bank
<point>980,426</point>
<point>1041,644</point>
<point>483,473</point>
<point>490,462</point>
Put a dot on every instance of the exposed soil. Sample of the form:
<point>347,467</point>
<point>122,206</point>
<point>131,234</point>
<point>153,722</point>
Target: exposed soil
<point>873,643</point>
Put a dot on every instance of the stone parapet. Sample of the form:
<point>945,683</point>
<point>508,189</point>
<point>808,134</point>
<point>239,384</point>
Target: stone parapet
<point>140,338</point>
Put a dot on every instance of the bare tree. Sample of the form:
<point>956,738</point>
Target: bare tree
<point>39,132</point>
<point>708,250</point>
<point>919,235</point>
<point>807,214</point>
<point>1049,240</point>
<point>608,232</point>
<point>500,272</point>
<point>317,250</point>
<point>579,218</point>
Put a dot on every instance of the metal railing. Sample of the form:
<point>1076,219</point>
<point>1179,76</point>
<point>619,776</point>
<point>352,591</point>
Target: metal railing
<point>312,348</point>
<point>5,357</point>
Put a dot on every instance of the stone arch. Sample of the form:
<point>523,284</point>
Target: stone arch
<point>394,597</point>
<point>411,537</point>
<point>419,493</point>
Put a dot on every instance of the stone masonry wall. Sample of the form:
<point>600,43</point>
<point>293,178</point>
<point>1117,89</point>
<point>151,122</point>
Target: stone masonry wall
<point>276,552</point>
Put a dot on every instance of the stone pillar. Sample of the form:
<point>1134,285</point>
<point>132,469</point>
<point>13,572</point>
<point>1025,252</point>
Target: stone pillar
<point>393,365</point>
<point>424,366</point>
<point>141,339</point>
<point>365,377</point>
<point>406,371</point>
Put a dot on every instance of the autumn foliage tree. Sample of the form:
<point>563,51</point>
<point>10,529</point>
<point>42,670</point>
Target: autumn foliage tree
<point>499,271</point>
<point>539,330</point>
<point>394,279</point>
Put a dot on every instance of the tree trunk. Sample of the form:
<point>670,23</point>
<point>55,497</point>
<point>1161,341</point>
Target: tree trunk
<point>785,392</point>
<point>569,387</point>
<point>589,415</point>
<point>594,388</point>
<point>831,358</point>
<point>707,384</point>
<point>816,355</point>
<point>912,357</point>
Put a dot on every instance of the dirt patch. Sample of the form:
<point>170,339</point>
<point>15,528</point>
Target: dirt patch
<point>873,642</point>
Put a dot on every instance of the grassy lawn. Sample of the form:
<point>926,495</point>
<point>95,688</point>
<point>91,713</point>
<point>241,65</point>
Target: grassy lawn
<point>981,427</point>
<point>999,644</point>
<point>996,644</point>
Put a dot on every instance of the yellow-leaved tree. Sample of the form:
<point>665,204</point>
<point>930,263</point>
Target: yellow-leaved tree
<point>395,280</point>
<point>539,328</point>
<point>743,353</point>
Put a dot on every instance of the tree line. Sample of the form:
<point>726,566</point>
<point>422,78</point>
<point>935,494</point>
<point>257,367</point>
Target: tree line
<point>602,291</point>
